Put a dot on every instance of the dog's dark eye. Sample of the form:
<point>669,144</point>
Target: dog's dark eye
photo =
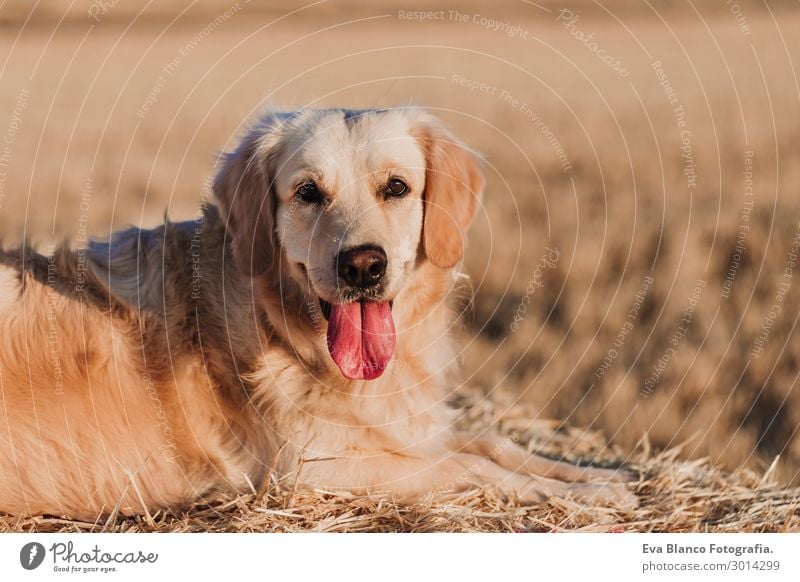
<point>309,193</point>
<point>396,187</point>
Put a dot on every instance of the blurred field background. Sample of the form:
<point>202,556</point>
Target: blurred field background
<point>622,283</point>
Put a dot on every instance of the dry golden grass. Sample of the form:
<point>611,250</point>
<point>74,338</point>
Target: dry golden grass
<point>622,211</point>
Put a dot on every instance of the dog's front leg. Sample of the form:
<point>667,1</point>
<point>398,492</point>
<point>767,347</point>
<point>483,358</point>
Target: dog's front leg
<point>415,479</point>
<point>513,457</point>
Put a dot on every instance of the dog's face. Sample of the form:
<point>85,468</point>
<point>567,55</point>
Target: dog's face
<point>347,204</point>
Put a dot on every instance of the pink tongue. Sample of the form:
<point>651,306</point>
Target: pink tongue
<point>361,338</point>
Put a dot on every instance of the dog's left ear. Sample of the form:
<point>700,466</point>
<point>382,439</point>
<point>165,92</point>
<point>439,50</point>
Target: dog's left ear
<point>454,186</point>
<point>243,187</point>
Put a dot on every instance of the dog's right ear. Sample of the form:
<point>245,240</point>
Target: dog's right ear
<point>244,189</point>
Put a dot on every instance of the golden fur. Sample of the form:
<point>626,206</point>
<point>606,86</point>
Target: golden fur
<point>166,364</point>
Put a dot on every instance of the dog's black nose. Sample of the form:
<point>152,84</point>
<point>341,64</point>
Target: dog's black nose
<point>362,266</point>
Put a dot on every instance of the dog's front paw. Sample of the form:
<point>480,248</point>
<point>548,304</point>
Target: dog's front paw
<point>610,493</point>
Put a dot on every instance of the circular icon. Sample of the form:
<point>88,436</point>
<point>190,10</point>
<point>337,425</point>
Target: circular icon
<point>31,555</point>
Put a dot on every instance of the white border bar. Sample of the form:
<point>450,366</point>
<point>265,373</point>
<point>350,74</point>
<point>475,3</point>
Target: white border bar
<point>408,557</point>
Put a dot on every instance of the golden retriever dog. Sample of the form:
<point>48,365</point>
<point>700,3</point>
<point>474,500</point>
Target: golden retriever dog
<point>299,329</point>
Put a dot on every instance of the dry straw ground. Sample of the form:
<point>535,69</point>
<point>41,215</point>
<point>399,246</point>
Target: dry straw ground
<point>633,265</point>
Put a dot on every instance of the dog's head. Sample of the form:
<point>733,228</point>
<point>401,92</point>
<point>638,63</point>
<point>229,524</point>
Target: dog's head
<point>348,204</point>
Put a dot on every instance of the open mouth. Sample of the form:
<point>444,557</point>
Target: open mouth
<point>326,307</point>
<point>361,337</point>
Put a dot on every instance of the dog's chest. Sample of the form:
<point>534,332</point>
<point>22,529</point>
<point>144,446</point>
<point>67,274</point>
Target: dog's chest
<point>328,417</point>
